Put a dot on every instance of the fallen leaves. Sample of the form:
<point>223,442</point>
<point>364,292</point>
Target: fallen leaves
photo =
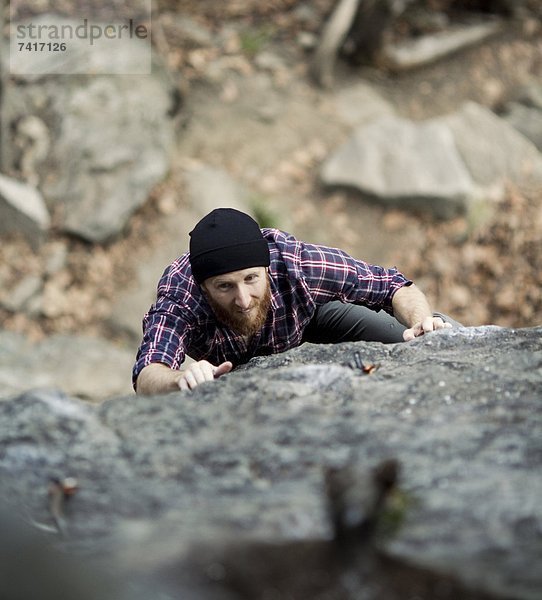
<point>490,275</point>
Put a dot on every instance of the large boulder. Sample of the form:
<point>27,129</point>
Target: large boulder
<point>403,162</point>
<point>22,210</point>
<point>95,145</point>
<point>527,120</point>
<point>525,113</point>
<point>445,165</point>
<point>193,487</point>
<point>494,152</point>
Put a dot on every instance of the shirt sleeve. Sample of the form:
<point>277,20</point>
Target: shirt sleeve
<point>332,274</point>
<point>169,325</point>
<point>166,336</point>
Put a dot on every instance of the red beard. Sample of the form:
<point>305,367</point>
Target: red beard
<point>246,325</point>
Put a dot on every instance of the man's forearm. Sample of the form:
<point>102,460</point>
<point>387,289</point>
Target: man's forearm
<point>157,378</point>
<point>410,306</point>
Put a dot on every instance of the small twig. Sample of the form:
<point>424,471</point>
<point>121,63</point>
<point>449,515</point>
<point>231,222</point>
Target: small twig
<point>357,361</point>
<point>60,490</point>
<point>41,526</point>
<point>365,368</point>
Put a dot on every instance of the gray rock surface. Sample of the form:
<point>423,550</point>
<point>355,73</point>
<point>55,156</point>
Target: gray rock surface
<point>400,161</point>
<point>493,151</point>
<point>531,95</point>
<point>109,142</point>
<point>180,486</point>
<point>23,295</point>
<point>443,165</point>
<point>527,120</point>
<point>82,366</point>
<point>22,209</point>
<point>525,113</point>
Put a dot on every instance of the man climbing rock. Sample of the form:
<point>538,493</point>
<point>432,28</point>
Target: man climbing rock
<point>242,291</point>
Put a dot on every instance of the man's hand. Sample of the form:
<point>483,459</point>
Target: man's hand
<point>425,326</point>
<point>200,372</point>
<point>158,378</point>
<point>411,308</point>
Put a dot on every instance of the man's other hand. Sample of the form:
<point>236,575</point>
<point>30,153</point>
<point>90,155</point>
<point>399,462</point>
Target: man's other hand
<point>425,326</point>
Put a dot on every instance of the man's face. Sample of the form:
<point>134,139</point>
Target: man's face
<point>240,299</point>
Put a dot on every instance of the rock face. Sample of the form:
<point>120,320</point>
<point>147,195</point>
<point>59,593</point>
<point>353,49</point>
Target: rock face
<point>94,146</point>
<point>22,209</point>
<point>492,149</point>
<point>525,113</point>
<point>212,493</point>
<point>441,165</point>
<point>397,160</point>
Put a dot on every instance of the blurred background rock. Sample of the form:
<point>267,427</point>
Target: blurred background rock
<point>102,177</point>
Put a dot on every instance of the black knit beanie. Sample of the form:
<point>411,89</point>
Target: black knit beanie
<point>226,240</point>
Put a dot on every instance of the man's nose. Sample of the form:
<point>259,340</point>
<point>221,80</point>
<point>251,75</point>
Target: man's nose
<point>242,298</point>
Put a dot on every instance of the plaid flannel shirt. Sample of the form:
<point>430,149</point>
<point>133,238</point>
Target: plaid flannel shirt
<point>302,276</point>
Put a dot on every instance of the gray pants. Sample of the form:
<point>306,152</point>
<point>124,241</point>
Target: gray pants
<point>338,322</point>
